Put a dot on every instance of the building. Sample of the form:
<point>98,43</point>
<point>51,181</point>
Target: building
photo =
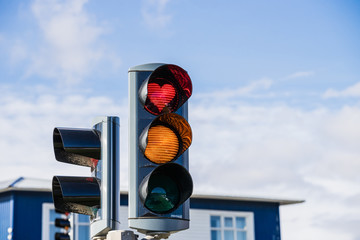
<point>27,213</point>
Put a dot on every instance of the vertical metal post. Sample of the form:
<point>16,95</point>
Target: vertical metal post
<point>108,170</point>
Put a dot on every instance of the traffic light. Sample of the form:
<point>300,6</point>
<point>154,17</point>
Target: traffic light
<point>64,224</point>
<point>159,135</point>
<point>97,195</point>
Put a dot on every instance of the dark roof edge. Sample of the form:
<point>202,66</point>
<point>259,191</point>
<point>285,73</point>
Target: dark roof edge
<point>8,189</point>
<point>248,199</point>
<point>194,196</point>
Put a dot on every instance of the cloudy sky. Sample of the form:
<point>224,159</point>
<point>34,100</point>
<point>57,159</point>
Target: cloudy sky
<point>275,110</point>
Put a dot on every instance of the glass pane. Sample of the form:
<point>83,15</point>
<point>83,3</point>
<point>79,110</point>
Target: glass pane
<point>229,235</point>
<point>83,218</point>
<point>241,235</point>
<point>215,235</point>
<point>54,215</point>
<point>215,222</point>
<point>163,194</point>
<point>84,233</point>
<point>228,222</point>
<point>52,231</point>
<point>240,222</point>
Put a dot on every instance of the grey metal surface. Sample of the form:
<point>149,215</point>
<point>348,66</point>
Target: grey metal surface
<point>145,67</point>
<point>108,171</point>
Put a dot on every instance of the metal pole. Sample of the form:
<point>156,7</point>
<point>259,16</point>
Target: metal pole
<point>109,172</point>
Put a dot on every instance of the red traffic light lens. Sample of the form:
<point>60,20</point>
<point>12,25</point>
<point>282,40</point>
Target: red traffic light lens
<point>160,96</point>
<point>166,89</point>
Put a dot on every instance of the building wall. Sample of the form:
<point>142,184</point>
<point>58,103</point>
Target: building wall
<point>28,214</point>
<point>22,210</point>
<point>199,224</point>
<point>266,215</point>
<point>6,215</point>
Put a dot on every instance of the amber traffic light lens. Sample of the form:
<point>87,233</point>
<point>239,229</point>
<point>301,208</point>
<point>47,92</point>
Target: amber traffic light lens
<point>166,138</point>
<point>180,126</point>
<point>163,144</point>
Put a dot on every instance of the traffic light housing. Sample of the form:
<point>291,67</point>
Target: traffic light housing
<point>64,224</point>
<point>159,135</point>
<point>97,195</point>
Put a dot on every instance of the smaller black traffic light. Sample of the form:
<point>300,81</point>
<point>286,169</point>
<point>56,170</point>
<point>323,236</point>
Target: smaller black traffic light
<point>99,195</point>
<point>62,236</point>
<point>79,147</point>
<point>64,225</point>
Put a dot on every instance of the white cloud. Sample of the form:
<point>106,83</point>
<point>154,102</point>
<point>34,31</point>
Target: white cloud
<point>26,128</point>
<point>65,45</point>
<point>300,74</point>
<point>335,185</point>
<point>352,91</point>
<point>274,143</point>
<point>252,89</point>
<point>282,152</point>
<point>68,51</point>
<point>155,15</point>
<point>238,149</point>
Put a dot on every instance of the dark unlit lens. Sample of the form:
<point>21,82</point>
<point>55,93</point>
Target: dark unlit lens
<point>163,194</point>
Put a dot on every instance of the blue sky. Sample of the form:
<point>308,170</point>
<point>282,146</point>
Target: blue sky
<point>276,87</point>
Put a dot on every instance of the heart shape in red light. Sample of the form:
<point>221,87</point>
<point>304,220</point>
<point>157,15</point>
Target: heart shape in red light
<point>160,96</point>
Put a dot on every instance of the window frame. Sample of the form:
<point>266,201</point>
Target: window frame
<point>249,223</point>
<point>45,221</point>
<point>74,221</point>
<point>77,225</point>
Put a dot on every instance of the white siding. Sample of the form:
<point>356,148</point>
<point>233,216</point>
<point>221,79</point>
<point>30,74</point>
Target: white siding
<point>124,218</point>
<point>199,224</point>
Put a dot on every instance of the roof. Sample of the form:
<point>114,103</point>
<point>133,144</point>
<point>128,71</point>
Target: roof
<point>34,184</point>
<point>25,184</point>
<point>247,199</point>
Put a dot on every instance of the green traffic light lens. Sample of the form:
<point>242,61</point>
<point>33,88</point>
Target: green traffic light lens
<point>163,194</point>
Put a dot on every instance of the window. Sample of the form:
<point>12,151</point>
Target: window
<point>81,229</point>
<point>79,224</point>
<point>224,226</point>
